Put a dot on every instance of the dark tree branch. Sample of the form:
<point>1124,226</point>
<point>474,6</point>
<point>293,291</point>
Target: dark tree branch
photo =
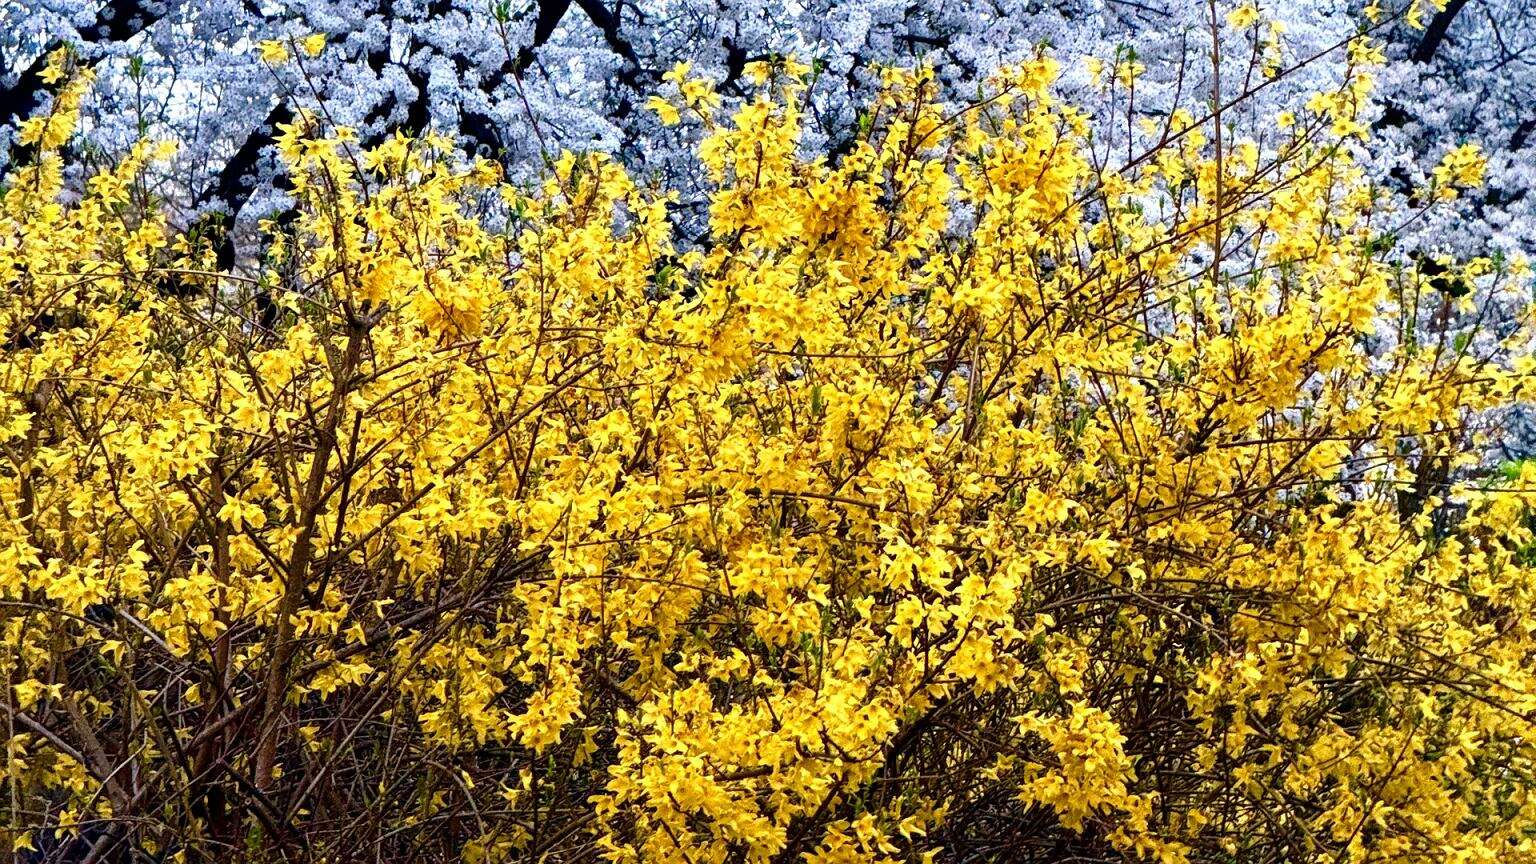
<point>1435,33</point>
<point>118,21</point>
<point>608,24</point>
<point>550,14</point>
<point>229,192</point>
<point>1522,134</point>
<point>237,179</point>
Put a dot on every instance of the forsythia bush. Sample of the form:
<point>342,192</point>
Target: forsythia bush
<point>960,498</point>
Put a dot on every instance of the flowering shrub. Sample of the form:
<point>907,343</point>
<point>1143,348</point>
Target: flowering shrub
<point>959,498</point>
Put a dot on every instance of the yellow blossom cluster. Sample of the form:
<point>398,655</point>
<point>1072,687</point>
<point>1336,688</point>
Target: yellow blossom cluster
<point>959,493</point>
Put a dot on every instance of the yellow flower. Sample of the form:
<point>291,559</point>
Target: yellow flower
<point>664,109</point>
<point>1243,17</point>
<point>273,51</point>
<point>678,73</point>
<point>1464,167</point>
<point>1095,67</point>
<point>954,460</point>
